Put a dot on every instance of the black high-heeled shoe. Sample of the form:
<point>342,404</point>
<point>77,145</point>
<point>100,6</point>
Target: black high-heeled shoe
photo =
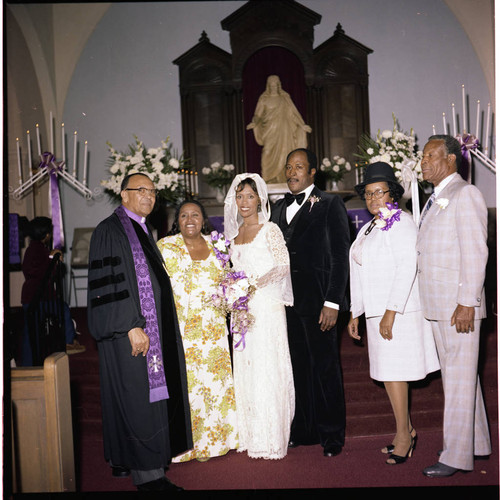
<point>389,448</point>
<point>398,459</point>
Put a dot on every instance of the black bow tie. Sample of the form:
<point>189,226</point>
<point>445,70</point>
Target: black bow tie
<point>299,198</point>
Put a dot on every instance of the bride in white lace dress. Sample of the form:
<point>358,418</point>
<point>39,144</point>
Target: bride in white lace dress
<point>263,378</point>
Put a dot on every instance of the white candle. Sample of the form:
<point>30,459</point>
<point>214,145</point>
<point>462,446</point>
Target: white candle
<point>85,165</point>
<point>477,119</point>
<point>19,161</point>
<point>444,123</point>
<point>30,165</point>
<point>433,133</point>
<point>74,155</point>
<point>487,138</point>
<point>454,119</point>
<point>38,140</point>
<point>63,143</point>
<point>463,109</point>
<point>196,183</point>
<point>52,150</point>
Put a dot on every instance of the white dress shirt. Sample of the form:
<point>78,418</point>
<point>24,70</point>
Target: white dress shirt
<point>292,209</point>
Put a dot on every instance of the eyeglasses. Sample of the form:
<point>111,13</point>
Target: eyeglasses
<point>376,195</point>
<point>144,191</point>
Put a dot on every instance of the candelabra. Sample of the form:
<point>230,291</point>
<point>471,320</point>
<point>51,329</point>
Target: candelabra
<point>48,165</point>
<point>49,168</point>
<point>471,143</point>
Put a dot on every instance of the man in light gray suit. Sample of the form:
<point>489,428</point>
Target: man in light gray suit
<point>452,255</point>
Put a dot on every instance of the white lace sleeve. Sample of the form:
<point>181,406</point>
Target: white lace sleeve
<point>279,275</point>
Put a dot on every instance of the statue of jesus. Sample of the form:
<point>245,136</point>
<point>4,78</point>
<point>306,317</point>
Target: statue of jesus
<point>279,128</point>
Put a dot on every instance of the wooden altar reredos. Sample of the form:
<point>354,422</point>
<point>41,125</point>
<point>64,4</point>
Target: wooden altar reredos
<point>212,87</point>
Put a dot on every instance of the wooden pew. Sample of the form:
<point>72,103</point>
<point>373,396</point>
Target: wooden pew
<point>42,433</point>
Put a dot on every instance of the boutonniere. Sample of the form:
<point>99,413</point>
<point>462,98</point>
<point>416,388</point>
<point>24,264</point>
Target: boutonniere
<point>442,203</point>
<point>387,216</point>
<point>312,200</point>
<point>221,249</point>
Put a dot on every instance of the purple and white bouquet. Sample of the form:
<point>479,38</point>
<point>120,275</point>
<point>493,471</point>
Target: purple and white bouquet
<point>231,297</point>
<point>387,216</point>
<point>221,247</point>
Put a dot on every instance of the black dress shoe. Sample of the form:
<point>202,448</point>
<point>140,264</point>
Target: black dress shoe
<point>332,450</point>
<point>293,444</point>
<point>161,484</point>
<point>118,471</point>
<point>440,470</point>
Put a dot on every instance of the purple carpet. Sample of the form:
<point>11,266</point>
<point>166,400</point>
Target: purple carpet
<point>370,426</point>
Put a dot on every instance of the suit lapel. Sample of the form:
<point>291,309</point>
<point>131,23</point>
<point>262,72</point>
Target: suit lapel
<point>305,215</point>
<point>447,193</point>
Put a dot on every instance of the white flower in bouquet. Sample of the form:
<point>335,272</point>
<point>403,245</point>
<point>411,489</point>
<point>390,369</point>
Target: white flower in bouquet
<point>232,296</point>
<point>160,164</point>
<point>392,147</point>
<point>238,290</point>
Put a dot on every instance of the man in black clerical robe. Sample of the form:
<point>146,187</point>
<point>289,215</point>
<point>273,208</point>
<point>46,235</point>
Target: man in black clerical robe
<point>139,435</point>
<point>316,231</point>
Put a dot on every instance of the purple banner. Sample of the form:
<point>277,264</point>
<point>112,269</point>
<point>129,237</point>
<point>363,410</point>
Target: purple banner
<point>359,217</point>
<point>14,247</point>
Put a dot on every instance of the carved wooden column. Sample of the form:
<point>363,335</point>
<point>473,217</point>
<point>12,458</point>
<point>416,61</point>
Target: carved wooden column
<point>341,97</point>
<point>207,107</point>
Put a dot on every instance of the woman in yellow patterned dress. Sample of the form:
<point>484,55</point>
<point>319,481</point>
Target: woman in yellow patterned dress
<point>195,272</point>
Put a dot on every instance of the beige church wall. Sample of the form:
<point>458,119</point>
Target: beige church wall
<point>106,71</point>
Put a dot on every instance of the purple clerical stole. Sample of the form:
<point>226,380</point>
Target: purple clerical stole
<point>156,373</point>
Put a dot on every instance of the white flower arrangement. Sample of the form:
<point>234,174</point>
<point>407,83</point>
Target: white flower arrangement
<point>335,168</point>
<point>392,147</point>
<point>442,203</point>
<point>161,165</point>
<point>218,175</point>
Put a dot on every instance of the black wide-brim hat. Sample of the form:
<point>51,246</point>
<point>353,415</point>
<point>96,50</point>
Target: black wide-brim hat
<point>379,172</point>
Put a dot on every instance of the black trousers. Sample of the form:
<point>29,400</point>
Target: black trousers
<point>319,392</point>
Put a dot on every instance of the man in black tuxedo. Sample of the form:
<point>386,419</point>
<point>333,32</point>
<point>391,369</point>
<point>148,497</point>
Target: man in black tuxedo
<point>316,232</point>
